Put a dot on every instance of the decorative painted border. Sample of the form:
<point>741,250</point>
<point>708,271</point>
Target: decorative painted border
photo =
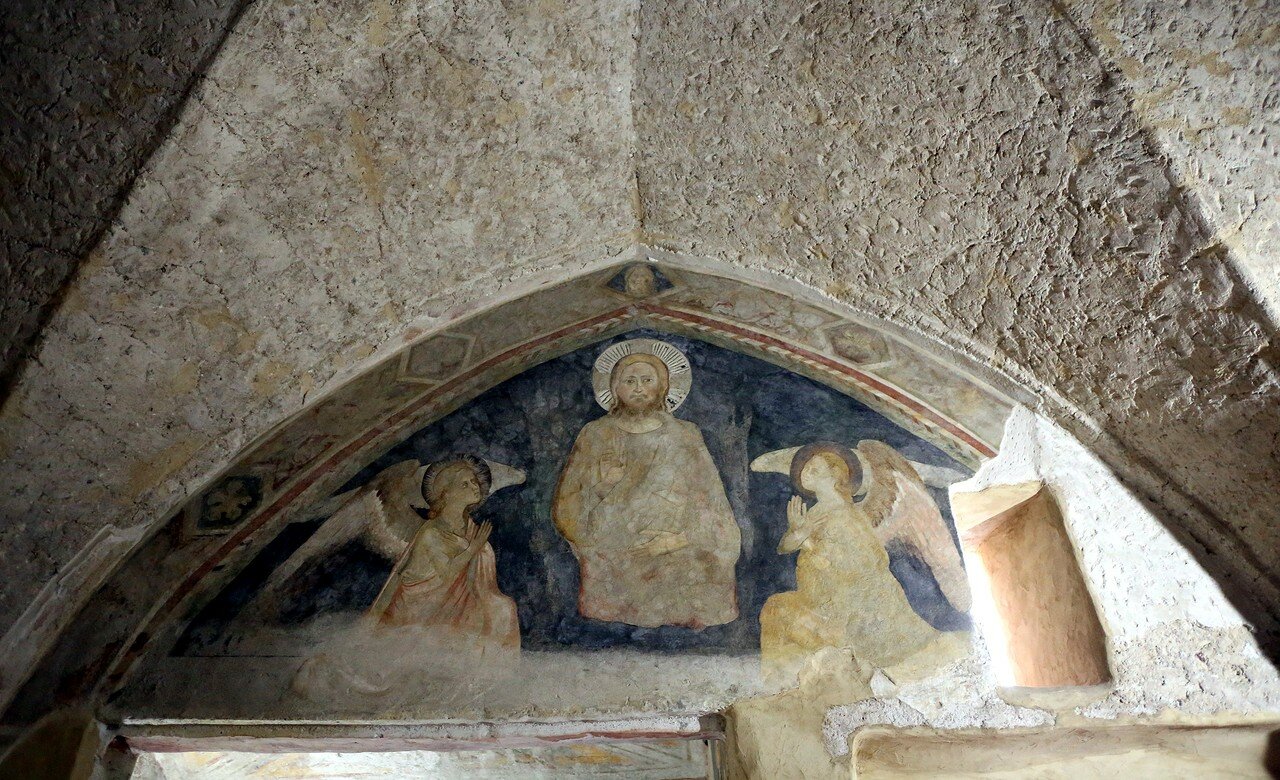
<point>438,400</point>
<point>917,408</point>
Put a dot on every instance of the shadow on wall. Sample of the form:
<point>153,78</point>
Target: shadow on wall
<point>1271,760</point>
<point>82,136</point>
<point>61,746</point>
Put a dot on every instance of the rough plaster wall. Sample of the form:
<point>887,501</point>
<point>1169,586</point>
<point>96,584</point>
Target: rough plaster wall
<point>90,87</point>
<point>1177,645</point>
<point>1176,642</point>
<point>968,169</point>
<point>1205,78</point>
<point>346,169</point>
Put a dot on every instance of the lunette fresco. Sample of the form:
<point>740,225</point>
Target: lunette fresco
<point>649,493</point>
<point>291,658</point>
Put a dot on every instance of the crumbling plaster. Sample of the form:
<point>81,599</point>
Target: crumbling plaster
<point>351,175</point>
<point>90,88</point>
<point>1205,81</point>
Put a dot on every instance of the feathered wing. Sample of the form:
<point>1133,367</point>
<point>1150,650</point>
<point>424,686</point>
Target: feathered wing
<point>373,512</point>
<point>393,526</point>
<point>351,521</point>
<point>902,510</point>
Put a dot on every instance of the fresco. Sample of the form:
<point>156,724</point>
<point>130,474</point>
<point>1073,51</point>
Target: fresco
<point>649,494</point>
<point>866,501</point>
<point>641,503</point>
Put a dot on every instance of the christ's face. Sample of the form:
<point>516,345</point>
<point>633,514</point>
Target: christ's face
<point>637,387</point>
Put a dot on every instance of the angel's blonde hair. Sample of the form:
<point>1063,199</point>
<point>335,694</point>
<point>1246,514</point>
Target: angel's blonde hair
<point>848,467</point>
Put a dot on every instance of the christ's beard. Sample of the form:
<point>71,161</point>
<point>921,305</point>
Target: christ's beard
<point>622,409</point>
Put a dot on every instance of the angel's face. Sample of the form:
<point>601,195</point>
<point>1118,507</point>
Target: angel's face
<point>460,486</point>
<point>820,473</point>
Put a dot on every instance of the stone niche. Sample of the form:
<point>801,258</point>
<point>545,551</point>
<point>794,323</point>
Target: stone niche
<point>1048,629</point>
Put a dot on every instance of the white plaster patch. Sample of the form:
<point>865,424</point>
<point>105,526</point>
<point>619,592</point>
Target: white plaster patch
<point>959,696</point>
<point>1138,573</point>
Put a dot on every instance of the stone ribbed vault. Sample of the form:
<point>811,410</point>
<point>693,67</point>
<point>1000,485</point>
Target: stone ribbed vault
<point>351,177</point>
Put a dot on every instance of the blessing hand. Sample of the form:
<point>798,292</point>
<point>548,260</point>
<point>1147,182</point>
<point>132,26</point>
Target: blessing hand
<point>612,471</point>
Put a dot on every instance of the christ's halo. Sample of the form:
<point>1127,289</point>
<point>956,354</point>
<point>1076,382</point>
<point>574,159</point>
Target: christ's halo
<point>678,370</point>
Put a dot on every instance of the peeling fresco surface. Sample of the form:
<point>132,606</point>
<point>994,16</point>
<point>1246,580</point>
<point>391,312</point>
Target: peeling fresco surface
<point>453,551</point>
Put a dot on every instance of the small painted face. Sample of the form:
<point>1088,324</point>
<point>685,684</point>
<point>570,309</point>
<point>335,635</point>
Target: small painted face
<point>638,386</point>
<point>639,281</point>
<point>463,486</point>
<point>818,473</point>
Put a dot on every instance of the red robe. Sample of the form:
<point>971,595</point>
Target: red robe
<point>468,612</point>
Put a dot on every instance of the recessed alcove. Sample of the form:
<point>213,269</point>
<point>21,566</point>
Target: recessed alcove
<point>1042,620</point>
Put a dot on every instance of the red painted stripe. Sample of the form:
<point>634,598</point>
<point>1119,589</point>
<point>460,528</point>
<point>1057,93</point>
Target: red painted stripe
<point>282,502</point>
<point>865,379</point>
<point>121,667</point>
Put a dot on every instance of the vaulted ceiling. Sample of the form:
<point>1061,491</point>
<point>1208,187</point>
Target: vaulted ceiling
<point>1076,195</point>
<point>90,89</point>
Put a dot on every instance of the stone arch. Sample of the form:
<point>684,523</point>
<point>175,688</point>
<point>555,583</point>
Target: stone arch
<point>956,405</point>
<point>1114,297</point>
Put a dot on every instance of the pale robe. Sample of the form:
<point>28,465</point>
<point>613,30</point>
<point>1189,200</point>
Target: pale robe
<point>429,638</point>
<point>846,597</point>
<point>664,486</point>
<point>466,613</point>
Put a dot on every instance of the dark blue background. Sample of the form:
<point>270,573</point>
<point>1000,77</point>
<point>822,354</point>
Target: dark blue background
<point>744,407</point>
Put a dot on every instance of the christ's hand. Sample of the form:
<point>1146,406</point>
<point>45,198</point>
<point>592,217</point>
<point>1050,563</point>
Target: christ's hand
<point>612,471</point>
<point>663,542</point>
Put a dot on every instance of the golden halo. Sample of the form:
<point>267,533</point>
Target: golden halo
<point>678,369</point>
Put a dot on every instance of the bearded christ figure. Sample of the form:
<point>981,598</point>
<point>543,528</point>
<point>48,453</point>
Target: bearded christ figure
<point>641,502</point>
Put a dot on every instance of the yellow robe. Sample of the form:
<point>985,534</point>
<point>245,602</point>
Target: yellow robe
<point>651,527</point>
<point>846,597</point>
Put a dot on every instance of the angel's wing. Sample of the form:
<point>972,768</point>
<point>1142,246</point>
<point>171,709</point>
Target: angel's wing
<point>349,522</point>
<point>902,510</point>
<point>372,512</point>
<point>399,488</point>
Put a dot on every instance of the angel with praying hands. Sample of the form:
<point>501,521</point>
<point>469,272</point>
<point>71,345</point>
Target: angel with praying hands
<point>846,596</point>
<point>444,580</point>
